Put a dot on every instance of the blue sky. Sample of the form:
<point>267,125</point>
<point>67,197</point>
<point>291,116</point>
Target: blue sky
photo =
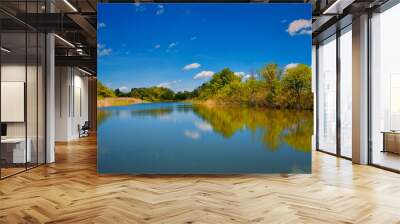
<point>180,46</point>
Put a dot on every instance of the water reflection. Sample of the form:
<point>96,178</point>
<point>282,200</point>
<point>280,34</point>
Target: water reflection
<point>272,127</point>
<point>292,127</point>
<point>102,115</point>
<point>192,134</point>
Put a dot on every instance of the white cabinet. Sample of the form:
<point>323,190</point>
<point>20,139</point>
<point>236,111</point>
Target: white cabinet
<point>19,154</point>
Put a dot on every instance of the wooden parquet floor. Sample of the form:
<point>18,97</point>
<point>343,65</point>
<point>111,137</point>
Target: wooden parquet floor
<point>70,191</point>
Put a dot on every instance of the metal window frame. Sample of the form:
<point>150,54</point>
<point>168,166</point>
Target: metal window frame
<point>387,5</point>
<point>338,33</point>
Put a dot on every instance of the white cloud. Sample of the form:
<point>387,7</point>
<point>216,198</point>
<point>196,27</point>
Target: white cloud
<point>191,66</point>
<point>239,73</point>
<point>289,66</point>
<point>168,84</point>
<point>300,26</point>
<point>247,77</point>
<point>157,46</point>
<point>173,44</point>
<point>203,74</point>
<point>203,126</point>
<point>104,52</point>
<point>160,10</point>
<point>193,38</point>
<point>123,89</point>
<point>192,134</point>
<point>243,75</point>
<point>164,117</point>
<point>101,25</point>
<point>306,31</point>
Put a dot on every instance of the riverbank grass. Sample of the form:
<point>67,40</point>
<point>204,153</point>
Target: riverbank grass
<point>117,101</point>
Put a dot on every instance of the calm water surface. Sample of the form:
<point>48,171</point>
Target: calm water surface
<point>181,138</point>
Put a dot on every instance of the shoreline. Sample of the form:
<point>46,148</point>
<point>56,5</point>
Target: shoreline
<point>117,101</point>
<point>214,103</point>
<point>126,101</point>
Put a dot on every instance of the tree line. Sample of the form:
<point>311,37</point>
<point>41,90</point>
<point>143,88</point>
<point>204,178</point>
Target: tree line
<point>271,87</point>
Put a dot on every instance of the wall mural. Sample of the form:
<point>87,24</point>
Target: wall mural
<point>204,88</point>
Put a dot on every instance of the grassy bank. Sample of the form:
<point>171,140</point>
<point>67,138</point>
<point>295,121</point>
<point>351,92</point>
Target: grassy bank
<point>117,101</point>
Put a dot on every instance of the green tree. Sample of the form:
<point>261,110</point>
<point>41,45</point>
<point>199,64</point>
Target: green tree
<point>270,73</point>
<point>212,88</point>
<point>223,78</point>
<point>291,89</point>
<point>254,92</point>
<point>183,95</point>
<point>104,91</point>
<point>117,92</point>
<point>296,86</point>
<point>153,94</point>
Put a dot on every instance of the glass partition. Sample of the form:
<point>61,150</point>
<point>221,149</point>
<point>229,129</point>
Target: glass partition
<point>385,89</point>
<point>31,99</point>
<point>327,95</point>
<point>346,92</point>
<point>14,153</point>
<point>22,88</point>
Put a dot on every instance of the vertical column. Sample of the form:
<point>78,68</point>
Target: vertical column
<point>50,92</point>
<point>360,90</point>
<point>338,91</point>
<point>50,98</point>
<point>313,89</point>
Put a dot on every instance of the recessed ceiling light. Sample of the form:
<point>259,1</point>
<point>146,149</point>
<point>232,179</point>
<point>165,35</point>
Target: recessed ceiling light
<point>337,7</point>
<point>5,50</point>
<point>70,5</point>
<point>64,40</point>
<point>84,71</point>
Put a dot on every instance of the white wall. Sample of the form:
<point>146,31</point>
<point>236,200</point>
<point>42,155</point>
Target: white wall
<point>33,126</point>
<point>9,73</point>
<point>71,102</point>
<point>17,73</point>
<point>62,82</point>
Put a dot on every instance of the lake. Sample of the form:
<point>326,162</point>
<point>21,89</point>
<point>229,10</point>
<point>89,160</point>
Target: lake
<point>185,138</point>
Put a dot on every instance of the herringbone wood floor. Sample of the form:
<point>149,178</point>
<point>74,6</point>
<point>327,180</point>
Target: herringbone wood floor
<point>70,191</point>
